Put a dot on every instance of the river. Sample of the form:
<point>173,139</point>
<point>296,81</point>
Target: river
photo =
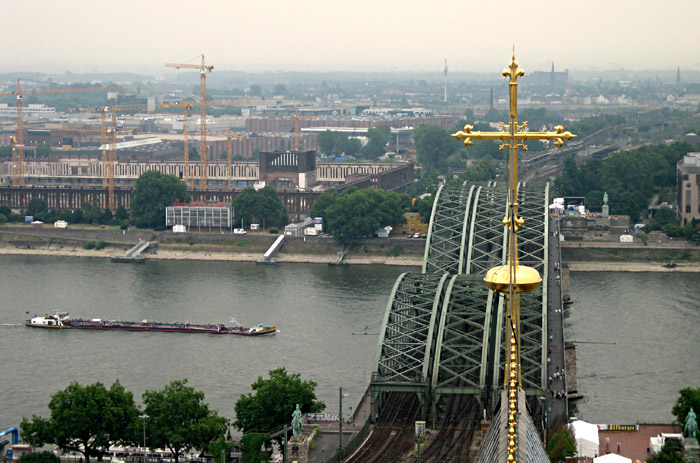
<point>653,317</point>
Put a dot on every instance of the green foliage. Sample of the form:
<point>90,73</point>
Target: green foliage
<point>43,151</point>
<point>274,230</point>
<point>482,170</point>
<point>321,205</point>
<point>180,420</point>
<point>89,245</point>
<point>244,243</point>
<point>378,139</point>
<point>337,143</point>
<point>629,177</point>
<point>5,151</point>
<point>561,445</point>
<point>590,125</point>
<point>217,447</point>
<point>3,218</point>
<point>434,146</point>
<point>671,452</point>
<point>689,397</point>
<point>101,244</point>
<point>395,251</point>
<point>361,212</point>
<point>40,457</point>
<point>121,214</point>
<point>251,444</point>
<point>153,192</point>
<point>274,400</point>
<point>263,205</point>
<point>36,206</point>
<point>194,153</point>
<point>85,419</point>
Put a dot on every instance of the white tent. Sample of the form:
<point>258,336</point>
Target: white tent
<point>612,458</point>
<point>586,436</point>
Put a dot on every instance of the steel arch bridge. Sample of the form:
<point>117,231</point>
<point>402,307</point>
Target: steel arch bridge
<point>443,329</point>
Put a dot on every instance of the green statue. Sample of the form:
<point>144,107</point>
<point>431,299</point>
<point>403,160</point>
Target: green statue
<point>605,198</point>
<point>297,426</point>
<point>691,423</point>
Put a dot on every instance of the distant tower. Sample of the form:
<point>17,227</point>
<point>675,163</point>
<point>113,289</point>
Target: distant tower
<point>445,71</point>
<point>491,99</point>
<point>678,76</point>
<point>552,78</point>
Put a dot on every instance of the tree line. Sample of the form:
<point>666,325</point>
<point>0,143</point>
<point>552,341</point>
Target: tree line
<point>88,419</point>
<point>631,178</point>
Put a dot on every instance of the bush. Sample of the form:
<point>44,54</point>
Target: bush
<point>274,230</point>
<point>242,243</point>
<point>3,218</point>
<point>124,225</point>
<point>101,244</point>
<point>39,457</point>
<point>89,245</point>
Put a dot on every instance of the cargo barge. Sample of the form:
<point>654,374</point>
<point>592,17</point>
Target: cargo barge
<point>61,320</point>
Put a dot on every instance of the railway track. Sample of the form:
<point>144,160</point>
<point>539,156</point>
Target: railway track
<point>393,435</point>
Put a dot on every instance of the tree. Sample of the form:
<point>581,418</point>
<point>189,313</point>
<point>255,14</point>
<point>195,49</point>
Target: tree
<point>36,206</point>
<point>251,444</point>
<point>153,192</point>
<point>671,452</point>
<point>434,146</point>
<point>264,205</point>
<point>361,212</point>
<point>561,445</point>
<point>689,397</point>
<point>180,420</point>
<point>321,205</point>
<point>274,400</point>
<point>280,89</point>
<point>378,138</point>
<point>194,153</point>
<point>85,419</point>
<point>121,213</point>
<point>43,151</point>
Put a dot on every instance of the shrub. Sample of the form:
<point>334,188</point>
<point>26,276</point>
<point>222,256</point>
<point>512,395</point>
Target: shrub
<point>242,243</point>
<point>124,225</point>
<point>101,244</point>
<point>89,245</point>
<point>274,230</point>
<point>3,218</point>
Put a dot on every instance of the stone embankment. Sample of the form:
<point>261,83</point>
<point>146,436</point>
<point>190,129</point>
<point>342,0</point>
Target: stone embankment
<point>208,246</point>
<point>631,257</point>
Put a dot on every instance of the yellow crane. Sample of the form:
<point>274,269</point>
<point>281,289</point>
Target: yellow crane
<point>18,145</point>
<point>108,162</point>
<point>230,137</point>
<point>203,69</point>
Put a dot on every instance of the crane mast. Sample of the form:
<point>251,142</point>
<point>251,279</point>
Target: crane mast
<point>18,148</point>
<point>18,179</point>
<point>203,69</point>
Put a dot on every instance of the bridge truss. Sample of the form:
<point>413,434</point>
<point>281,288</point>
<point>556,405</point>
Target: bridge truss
<point>443,331</point>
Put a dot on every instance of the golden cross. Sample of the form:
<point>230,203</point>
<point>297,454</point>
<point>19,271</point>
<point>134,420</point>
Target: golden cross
<point>513,279</point>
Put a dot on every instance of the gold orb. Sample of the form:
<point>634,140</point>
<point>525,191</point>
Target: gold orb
<point>527,279</point>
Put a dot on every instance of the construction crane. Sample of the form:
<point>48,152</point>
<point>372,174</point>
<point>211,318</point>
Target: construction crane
<point>203,69</point>
<point>18,146</point>
<point>230,156</point>
<point>297,128</point>
<point>108,161</point>
<point>186,105</point>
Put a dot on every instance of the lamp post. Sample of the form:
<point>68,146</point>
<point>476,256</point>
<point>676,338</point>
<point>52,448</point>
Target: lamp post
<point>144,417</point>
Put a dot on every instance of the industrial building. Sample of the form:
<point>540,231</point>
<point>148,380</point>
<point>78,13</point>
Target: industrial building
<point>688,188</point>
<point>199,215</point>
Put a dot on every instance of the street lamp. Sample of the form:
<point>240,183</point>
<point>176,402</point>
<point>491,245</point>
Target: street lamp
<point>144,417</point>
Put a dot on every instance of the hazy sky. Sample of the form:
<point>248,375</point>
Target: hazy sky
<point>363,35</point>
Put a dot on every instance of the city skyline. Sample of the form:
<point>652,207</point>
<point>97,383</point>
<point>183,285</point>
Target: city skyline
<point>309,35</point>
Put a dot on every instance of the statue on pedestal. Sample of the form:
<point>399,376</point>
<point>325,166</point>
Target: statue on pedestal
<point>297,426</point>
<point>605,198</point>
<point>691,423</point>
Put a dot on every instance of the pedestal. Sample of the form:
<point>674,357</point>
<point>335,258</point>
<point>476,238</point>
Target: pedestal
<point>298,449</point>
<point>606,210</point>
<point>691,450</point>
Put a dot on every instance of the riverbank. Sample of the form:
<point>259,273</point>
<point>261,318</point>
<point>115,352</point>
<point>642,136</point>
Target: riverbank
<point>211,246</point>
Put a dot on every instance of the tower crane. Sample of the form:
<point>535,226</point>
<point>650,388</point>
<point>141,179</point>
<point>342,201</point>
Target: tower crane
<point>108,162</point>
<point>18,146</point>
<point>186,105</point>
<point>297,128</point>
<point>230,137</point>
<point>203,69</point>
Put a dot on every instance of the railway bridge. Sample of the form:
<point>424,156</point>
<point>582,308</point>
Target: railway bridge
<point>441,347</point>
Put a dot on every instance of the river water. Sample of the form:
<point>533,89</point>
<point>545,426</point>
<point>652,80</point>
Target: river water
<point>653,317</point>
